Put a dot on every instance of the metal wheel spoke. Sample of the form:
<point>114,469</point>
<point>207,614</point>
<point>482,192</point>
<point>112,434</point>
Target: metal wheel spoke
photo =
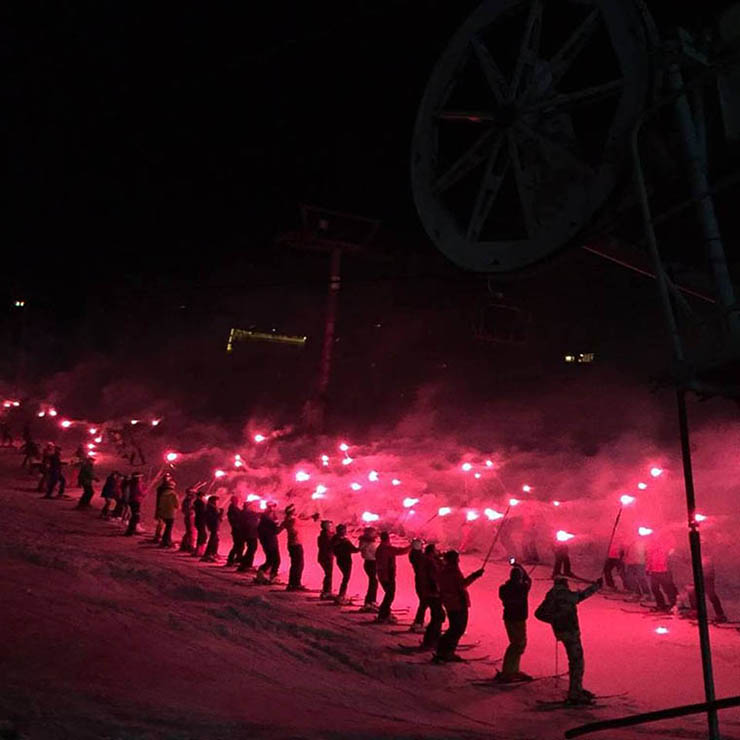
<point>586,96</point>
<point>553,152</point>
<point>467,162</point>
<point>493,74</point>
<point>496,168</point>
<point>568,52</point>
<point>529,50</point>
<point>524,187</point>
<point>471,116</point>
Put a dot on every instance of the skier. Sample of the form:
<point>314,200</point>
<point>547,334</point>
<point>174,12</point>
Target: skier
<point>108,493</point>
<point>163,484</point>
<point>45,467</point>
<point>168,506</point>
<point>55,475</point>
<point>453,588</point>
<point>250,522</point>
<point>428,582</point>
<point>326,558</point>
<point>562,560</point>
<point>560,610</point>
<point>267,531</point>
<point>514,596</point>
<point>343,550</point>
<point>385,562</point>
<point>123,508</point>
<point>135,499</point>
<point>295,550</point>
<point>368,544</point>
<point>86,478</point>
<point>234,517</point>
<point>635,579</point>
<point>661,580</point>
<point>186,543</point>
<point>615,559</point>
<point>30,451</point>
<point>709,589</point>
<point>199,516</point>
<point>416,557</point>
<point>213,516</point>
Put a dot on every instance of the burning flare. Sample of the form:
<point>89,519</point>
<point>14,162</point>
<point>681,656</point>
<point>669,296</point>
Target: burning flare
<point>562,536</point>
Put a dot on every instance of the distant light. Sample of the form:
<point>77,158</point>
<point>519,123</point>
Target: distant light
<point>412,512</point>
<point>41,414</point>
<point>562,536</point>
<point>259,438</point>
<point>655,472</point>
<point>662,630</point>
<point>319,492</point>
<point>253,497</point>
<point>476,475</point>
<point>466,466</point>
<point>368,516</point>
<point>471,516</point>
<point>347,460</point>
<point>626,499</point>
<point>642,486</point>
<point>492,514</point>
<point>92,430</point>
<point>444,511</point>
<point>16,403</point>
<point>219,473</point>
<point>570,358</point>
<point>409,502</point>
<point>395,482</point>
<point>171,456</point>
<point>325,459</point>
<point>526,488</point>
<point>90,446</point>
<point>155,422</point>
<point>644,531</point>
<point>489,463</point>
<point>238,463</point>
<point>513,502</point>
<point>556,503</point>
<point>134,421</point>
<point>355,486</point>
<point>344,447</point>
<point>700,517</point>
<point>20,304</point>
<point>52,412</point>
<point>98,440</point>
<point>302,476</point>
<point>372,476</point>
<point>316,495</point>
<point>263,505</point>
<point>66,424</point>
<point>7,404</point>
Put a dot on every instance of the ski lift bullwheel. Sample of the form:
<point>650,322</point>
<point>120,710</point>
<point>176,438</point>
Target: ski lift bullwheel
<point>524,126</point>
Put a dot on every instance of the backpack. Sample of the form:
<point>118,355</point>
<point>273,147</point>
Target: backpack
<point>548,610</point>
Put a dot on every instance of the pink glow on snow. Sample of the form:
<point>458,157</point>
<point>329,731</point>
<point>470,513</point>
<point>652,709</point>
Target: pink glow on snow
<point>642,486</point>
<point>372,476</point>
<point>66,424</point>
<point>444,511</point>
<point>171,456</point>
<point>219,473</point>
<point>656,472</point>
<point>644,531</point>
<point>355,486</point>
<point>395,482</point>
<point>466,467</point>
<point>368,516</point>
<point>259,438</point>
<point>471,516</point>
<point>302,476</point>
<point>492,514</point>
<point>409,502</point>
<point>626,499</point>
<point>562,536</point>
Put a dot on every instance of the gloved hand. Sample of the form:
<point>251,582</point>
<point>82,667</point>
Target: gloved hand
<point>478,573</point>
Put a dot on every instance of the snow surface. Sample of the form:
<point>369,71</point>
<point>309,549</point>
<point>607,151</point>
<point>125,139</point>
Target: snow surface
<point>110,637</point>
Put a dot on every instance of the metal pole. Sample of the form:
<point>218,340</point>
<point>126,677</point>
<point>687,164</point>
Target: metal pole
<point>705,205</point>
<point>614,531</point>
<point>695,545</point>
<point>495,539</point>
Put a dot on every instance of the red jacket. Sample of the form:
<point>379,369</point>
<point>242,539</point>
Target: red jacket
<point>385,560</point>
<point>657,559</point>
<point>453,587</point>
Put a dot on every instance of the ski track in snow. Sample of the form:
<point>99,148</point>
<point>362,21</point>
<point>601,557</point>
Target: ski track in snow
<point>109,637</point>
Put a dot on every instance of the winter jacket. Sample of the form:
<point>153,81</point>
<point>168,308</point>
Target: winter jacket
<point>168,504</point>
<point>566,602</point>
<point>213,517</point>
<point>635,554</point>
<point>199,509</point>
<point>427,579</point>
<point>326,551</point>
<point>416,558</point>
<point>234,516</point>
<point>86,476</point>
<point>135,494</point>
<point>290,525</point>
<point>343,550</point>
<point>453,587</point>
<point>109,487</point>
<point>514,597</point>
<point>385,560</point>
<point>368,547</point>
<point>250,522</point>
<point>267,531</point>
<point>657,559</point>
